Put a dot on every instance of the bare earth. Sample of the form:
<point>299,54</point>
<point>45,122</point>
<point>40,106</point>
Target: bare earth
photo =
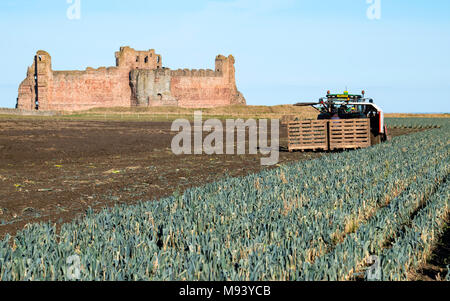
<point>55,170</point>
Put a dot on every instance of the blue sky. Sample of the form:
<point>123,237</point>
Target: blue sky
<point>286,50</point>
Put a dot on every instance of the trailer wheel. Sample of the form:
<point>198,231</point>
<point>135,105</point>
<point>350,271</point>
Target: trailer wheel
<point>375,139</point>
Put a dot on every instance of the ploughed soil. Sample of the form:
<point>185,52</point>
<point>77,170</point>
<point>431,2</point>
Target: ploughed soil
<point>53,171</point>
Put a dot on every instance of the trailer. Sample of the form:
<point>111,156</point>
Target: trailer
<point>345,122</point>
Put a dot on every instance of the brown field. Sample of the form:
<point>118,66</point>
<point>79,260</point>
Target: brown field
<point>167,113</point>
<point>172,113</point>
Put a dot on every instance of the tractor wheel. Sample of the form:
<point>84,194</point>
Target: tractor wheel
<point>375,139</point>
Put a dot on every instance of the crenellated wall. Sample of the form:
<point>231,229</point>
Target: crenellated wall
<point>137,80</point>
<point>82,90</point>
<point>187,88</point>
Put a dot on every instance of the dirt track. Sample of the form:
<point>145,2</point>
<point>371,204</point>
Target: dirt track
<point>55,170</point>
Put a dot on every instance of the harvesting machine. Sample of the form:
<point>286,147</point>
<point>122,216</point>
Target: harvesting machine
<point>346,121</point>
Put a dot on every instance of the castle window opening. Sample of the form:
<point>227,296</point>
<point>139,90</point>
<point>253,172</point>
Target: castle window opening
<point>146,59</point>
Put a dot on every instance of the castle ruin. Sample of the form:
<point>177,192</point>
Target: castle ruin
<point>137,80</point>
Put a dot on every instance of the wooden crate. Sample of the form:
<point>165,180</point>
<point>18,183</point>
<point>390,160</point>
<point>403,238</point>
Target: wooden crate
<point>349,133</point>
<point>285,119</point>
<point>308,135</point>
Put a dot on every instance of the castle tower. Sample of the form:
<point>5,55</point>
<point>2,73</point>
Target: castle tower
<point>131,59</point>
<point>43,77</point>
<point>34,90</point>
<point>225,65</point>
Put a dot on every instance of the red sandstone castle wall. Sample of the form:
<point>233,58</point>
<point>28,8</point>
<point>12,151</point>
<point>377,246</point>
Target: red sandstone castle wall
<point>27,95</point>
<point>110,87</point>
<point>201,89</point>
<point>75,90</point>
<point>201,92</point>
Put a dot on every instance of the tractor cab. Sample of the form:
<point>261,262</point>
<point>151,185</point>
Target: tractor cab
<point>337,106</point>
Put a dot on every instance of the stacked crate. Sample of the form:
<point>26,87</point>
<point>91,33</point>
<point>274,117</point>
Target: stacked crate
<point>349,133</point>
<point>308,135</point>
<point>329,134</point>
